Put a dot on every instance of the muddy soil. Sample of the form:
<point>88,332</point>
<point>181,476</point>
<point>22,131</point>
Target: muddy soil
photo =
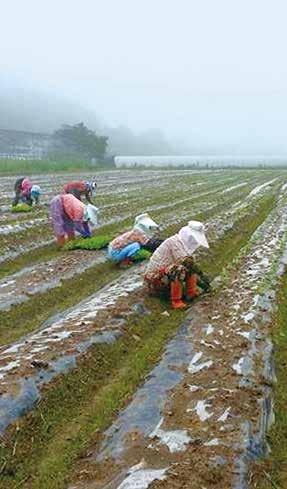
<point>20,286</point>
<point>27,364</point>
<point>205,429</point>
<point>55,347</point>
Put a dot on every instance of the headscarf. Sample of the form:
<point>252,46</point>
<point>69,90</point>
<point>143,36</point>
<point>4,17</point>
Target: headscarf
<point>35,191</point>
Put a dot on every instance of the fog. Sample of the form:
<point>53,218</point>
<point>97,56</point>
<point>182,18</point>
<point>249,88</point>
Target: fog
<point>192,76</point>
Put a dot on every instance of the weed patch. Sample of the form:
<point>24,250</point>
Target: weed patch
<point>272,473</point>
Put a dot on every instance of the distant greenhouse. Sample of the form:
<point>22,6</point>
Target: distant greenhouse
<point>201,160</point>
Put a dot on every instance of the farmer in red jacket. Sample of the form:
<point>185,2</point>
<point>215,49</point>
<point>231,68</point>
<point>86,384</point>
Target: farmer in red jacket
<point>81,189</point>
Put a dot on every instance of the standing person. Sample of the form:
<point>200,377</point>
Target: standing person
<point>171,268</point>
<point>123,248</point>
<point>81,189</point>
<point>68,214</point>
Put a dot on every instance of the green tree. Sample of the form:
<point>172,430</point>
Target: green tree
<point>83,141</point>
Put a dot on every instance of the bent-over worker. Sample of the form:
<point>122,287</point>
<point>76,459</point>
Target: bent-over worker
<point>81,189</point>
<point>68,214</point>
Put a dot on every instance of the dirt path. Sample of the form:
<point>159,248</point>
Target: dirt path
<point>203,412</point>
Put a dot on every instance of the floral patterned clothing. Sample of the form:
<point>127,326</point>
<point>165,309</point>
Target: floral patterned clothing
<point>133,236</point>
<point>160,283</point>
<point>171,252</point>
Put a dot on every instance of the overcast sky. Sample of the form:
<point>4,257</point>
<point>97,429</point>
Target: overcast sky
<point>212,72</point>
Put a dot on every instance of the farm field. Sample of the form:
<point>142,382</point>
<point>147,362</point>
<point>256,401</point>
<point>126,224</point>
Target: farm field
<point>105,387</point>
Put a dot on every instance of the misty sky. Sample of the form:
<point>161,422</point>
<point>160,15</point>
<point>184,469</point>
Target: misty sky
<point>210,72</point>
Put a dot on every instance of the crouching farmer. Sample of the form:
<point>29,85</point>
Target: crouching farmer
<point>123,248</point>
<point>68,214</point>
<point>25,192</point>
<point>171,270</point>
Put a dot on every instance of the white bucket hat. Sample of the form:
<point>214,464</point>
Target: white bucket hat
<point>145,224</point>
<point>193,236</point>
<point>92,214</point>
<point>198,232</point>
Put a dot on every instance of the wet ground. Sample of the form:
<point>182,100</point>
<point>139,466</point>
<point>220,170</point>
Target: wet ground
<point>63,338</point>
<point>19,287</point>
<point>204,409</point>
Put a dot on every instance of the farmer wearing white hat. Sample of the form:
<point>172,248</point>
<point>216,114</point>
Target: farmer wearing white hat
<point>123,248</point>
<point>171,268</point>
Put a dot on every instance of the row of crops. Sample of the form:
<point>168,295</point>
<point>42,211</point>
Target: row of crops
<point>103,386</point>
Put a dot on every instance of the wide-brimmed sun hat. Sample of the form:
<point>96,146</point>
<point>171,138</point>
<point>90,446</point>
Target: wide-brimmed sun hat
<point>144,223</point>
<point>198,232</point>
<point>193,236</point>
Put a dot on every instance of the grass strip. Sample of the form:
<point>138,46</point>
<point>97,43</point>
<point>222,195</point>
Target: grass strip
<point>28,316</point>
<point>32,234</point>
<point>272,472</point>
<point>40,450</point>
<point>48,252</point>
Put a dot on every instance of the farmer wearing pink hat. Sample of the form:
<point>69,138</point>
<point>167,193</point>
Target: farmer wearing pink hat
<point>171,268</point>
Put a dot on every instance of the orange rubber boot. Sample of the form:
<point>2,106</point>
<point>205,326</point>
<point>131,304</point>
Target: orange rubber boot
<point>176,295</point>
<point>191,286</point>
<point>126,262</point>
<point>71,235</point>
<point>61,240</point>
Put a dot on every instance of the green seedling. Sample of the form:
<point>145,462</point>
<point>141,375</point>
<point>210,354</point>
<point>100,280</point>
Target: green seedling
<point>142,255</point>
<point>94,243</point>
<point>21,208</point>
